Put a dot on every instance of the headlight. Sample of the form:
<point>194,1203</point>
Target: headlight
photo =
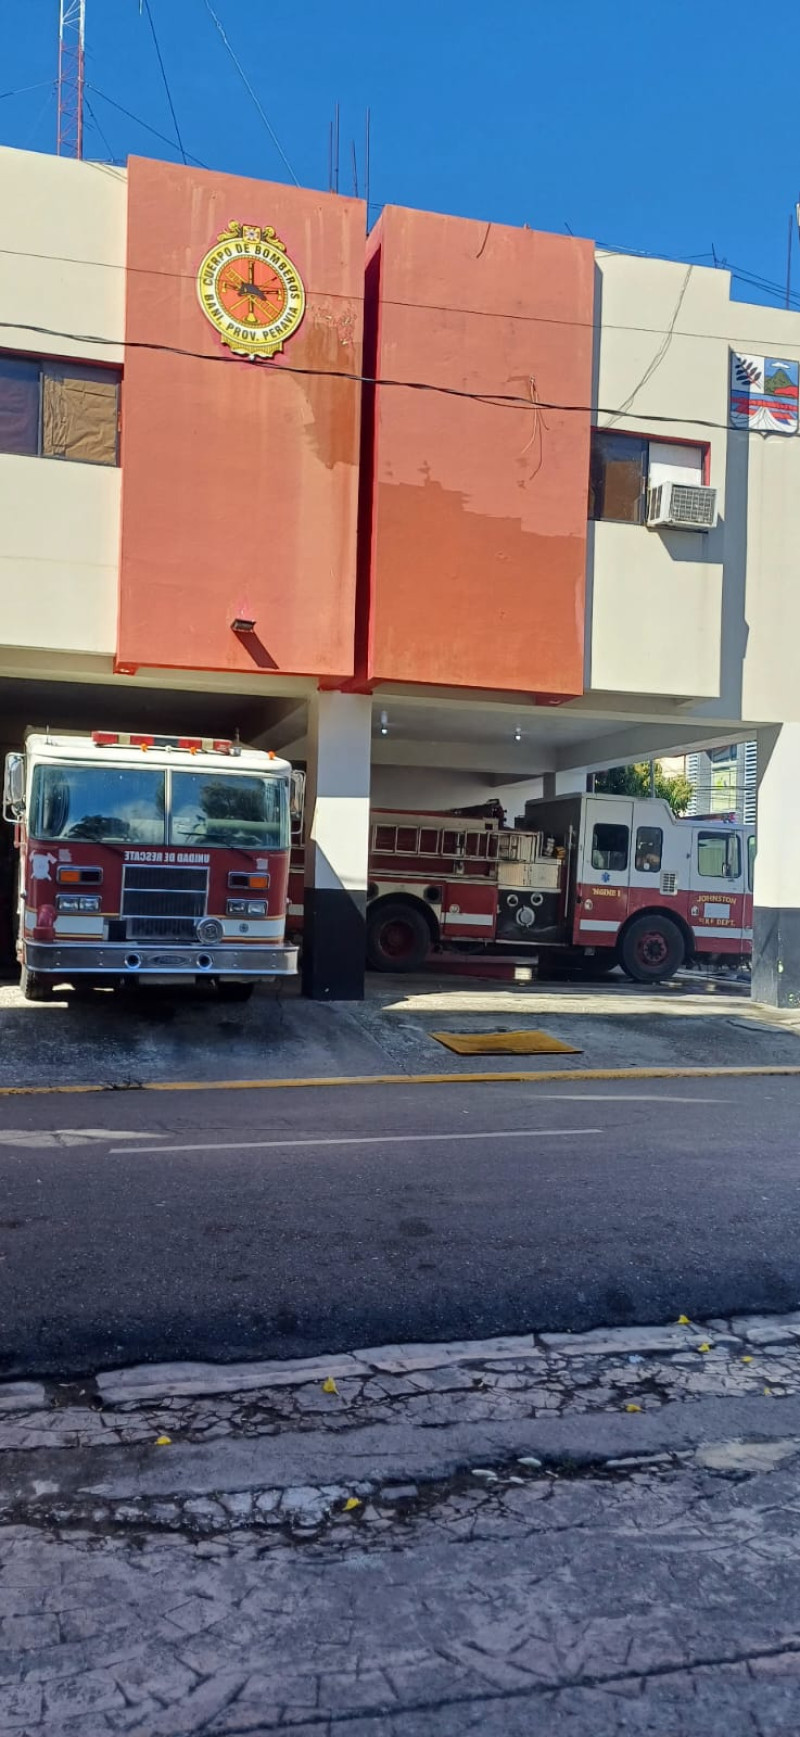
<point>77,902</point>
<point>247,908</point>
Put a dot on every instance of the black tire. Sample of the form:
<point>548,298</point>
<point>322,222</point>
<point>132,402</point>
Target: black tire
<point>34,986</point>
<point>234,991</point>
<point>398,938</point>
<point>652,950</point>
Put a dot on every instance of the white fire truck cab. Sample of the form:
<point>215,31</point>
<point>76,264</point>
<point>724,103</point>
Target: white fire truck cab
<point>605,880</point>
<point>156,858</point>
<point>636,886</point>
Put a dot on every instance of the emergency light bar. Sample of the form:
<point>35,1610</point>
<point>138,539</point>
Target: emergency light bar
<point>192,744</point>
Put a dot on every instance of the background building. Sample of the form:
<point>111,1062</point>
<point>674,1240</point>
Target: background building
<point>725,780</point>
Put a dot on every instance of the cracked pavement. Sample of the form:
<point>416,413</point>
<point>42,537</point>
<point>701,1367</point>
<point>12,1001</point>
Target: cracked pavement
<point>590,1535</point>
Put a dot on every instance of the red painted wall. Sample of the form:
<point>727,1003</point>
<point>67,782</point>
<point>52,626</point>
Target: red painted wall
<point>239,478</point>
<point>478,543</point>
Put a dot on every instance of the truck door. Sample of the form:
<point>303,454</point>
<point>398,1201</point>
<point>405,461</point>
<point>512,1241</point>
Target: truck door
<point>604,867</point>
<point>718,885</point>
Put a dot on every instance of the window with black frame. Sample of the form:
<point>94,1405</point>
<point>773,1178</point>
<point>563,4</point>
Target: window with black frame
<point>610,847</point>
<point>719,856</point>
<point>649,848</point>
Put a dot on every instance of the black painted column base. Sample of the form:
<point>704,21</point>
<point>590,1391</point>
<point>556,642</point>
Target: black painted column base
<point>776,956</point>
<point>334,944</point>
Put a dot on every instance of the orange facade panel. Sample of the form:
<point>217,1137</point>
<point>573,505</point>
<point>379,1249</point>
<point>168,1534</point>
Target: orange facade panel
<point>240,476</point>
<point>477,545</point>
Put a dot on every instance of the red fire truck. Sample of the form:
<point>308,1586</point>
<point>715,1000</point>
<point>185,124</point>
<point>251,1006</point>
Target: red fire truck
<point>606,879</point>
<point>155,858</point>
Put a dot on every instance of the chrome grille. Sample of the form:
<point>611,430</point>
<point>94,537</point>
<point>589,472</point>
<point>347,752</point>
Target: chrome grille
<point>161,902</point>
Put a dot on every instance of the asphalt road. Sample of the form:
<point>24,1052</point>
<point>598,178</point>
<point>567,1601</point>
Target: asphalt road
<point>226,1224</point>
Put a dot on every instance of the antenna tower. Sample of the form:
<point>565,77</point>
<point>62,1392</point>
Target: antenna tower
<point>71,29</point>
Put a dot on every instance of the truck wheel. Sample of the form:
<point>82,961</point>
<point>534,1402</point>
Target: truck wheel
<point>34,986</point>
<point>234,991</point>
<point>652,949</point>
<point>398,938</point>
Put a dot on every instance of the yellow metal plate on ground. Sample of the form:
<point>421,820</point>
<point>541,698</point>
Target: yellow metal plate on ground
<point>503,1043</point>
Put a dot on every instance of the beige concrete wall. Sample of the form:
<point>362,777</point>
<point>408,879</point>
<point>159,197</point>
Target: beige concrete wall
<point>765,487</point>
<point>62,276</point>
<point>62,265</point>
<point>59,547</point>
<point>654,623</point>
<point>656,620</point>
<point>716,618</point>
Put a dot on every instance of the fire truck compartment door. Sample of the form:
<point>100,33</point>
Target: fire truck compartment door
<point>604,870</point>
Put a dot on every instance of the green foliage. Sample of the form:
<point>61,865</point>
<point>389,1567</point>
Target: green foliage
<point>635,781</point>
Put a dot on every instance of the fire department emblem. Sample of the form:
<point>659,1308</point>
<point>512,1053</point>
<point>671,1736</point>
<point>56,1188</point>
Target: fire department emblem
<point>251,291</point>
<point>764,394</point>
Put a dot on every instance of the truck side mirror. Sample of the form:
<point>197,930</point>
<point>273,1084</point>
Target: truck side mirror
<point>14,788</point>
<point>297,802</point>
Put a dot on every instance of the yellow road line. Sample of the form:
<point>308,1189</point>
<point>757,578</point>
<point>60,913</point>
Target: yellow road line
<point>529,1077</point>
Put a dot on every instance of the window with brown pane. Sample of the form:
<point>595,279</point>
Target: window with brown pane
<point>617,477</point>
<point>67,410</point>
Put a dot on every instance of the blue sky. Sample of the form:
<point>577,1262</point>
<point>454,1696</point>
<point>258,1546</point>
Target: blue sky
<point>669,128</point>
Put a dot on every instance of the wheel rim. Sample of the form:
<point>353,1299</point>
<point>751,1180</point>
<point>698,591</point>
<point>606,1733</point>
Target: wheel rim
<point>652,949</point>
<point>397,939</point>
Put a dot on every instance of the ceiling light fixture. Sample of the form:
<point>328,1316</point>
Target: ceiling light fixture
<point>384,724</point>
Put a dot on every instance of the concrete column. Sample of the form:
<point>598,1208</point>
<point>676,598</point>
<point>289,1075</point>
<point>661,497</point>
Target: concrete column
<point>337,835</point>
<point>776,918</point>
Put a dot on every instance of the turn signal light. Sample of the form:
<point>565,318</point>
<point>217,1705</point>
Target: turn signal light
<point>248,883</point>
<point>72,876</point>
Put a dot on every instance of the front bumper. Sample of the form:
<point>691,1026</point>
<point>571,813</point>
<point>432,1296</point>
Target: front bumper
<point>104,960</point>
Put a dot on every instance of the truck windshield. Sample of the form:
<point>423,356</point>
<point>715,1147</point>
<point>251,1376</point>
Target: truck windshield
<point>107,804</point>
<point>229,808</point>
<point>129,805</point>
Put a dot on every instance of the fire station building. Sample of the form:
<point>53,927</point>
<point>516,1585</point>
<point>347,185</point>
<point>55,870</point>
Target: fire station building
<point>559,533</point>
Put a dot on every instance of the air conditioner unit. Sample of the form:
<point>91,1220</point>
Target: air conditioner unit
<point>683,506</point>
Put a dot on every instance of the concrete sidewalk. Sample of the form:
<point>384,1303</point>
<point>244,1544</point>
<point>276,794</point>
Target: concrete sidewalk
<point>688,1022</point>
<point>589,1535</point>
<point>131,1039</point>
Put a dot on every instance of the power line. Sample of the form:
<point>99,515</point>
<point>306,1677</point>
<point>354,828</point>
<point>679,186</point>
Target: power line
<point>165,79</point>
<point>498,400</point>
<point>427,307</point>
<point>98,129</point>
<point>40,117</point>
<point>662,349</point>
<point>173,143</point>
<point>739,273</point>
<point>23,89</point>
<point>249,88</point>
